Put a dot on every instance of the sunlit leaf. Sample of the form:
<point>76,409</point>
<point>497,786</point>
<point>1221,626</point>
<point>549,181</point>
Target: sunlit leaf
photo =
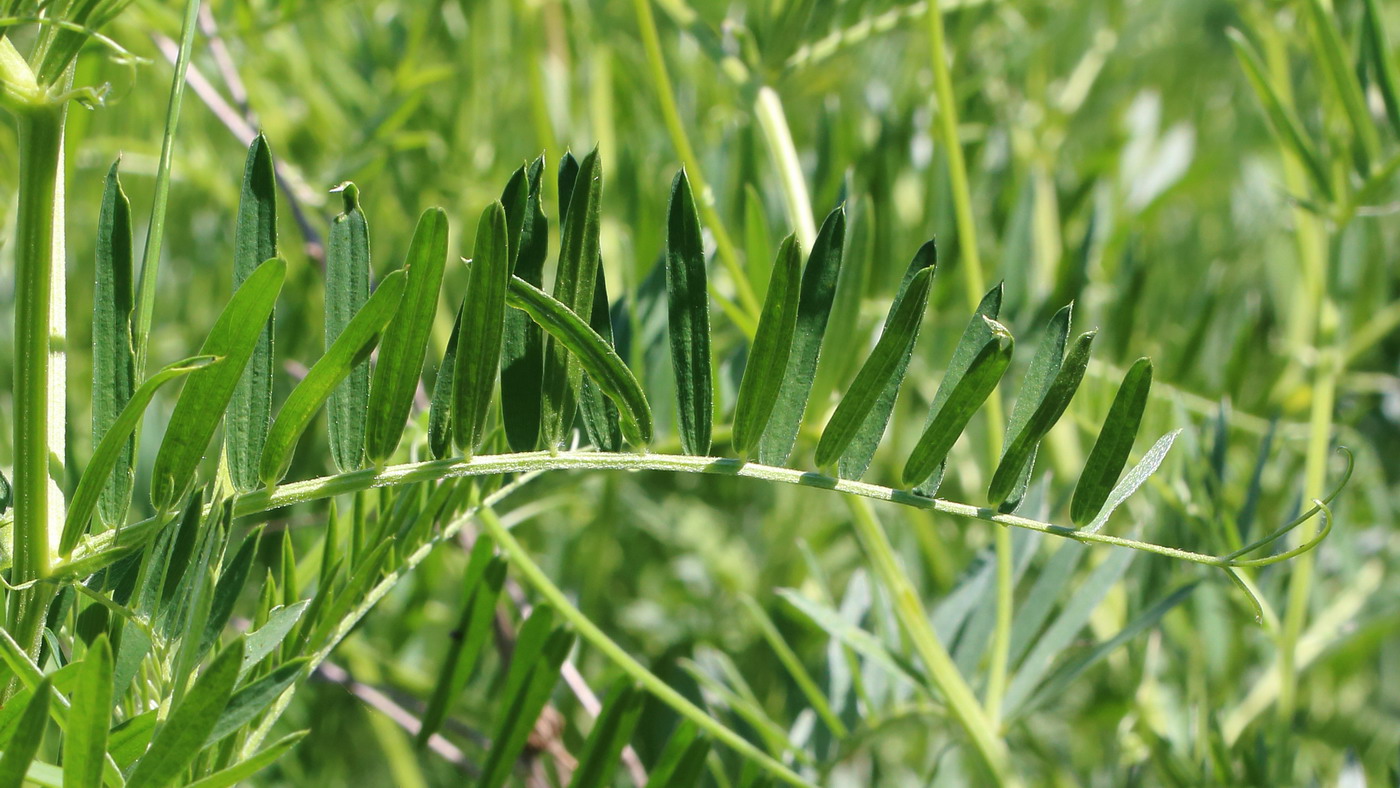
<point>688,301</point>
<point>347,290</point>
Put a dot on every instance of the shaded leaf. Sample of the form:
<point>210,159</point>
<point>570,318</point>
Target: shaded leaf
<point>530,681</point>
<point>622,708</point>
<point>1281,119</point>
<point>405,341</point>
<point>254,240</point>
<point>28,735</point>
<point>347,290</point>
<point>247,703</point>
<point>182,736</point>
<point>244,769</point>
<point>440,407</point>
<point>522,352</point>
<point>683,760</point>
<point>600,418</point>
<point>688,311</point>
<point>113,359</point>
<point>1382,63</point>
<point>481,585</point>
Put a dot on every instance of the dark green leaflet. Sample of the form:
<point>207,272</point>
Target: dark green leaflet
<point>179,739</point>
<point>254,240</point>
<point>515,200</point>
<point>530,697</point>
<point>890,354</point>
<point>688,310</point>
<point>1115,441</point>
<point>483,323</point>
<point>113,360</point>
<point>236,774</point>
<point>207,392</point>
<point>226,592</point>
<point>683,760</point>
<point>440,408</point>
<point>951,414</point>
<point>85,742</point>
<point>6,493</point>
<point>251,699</point>
<point>347,289</point>
<point>1039,376</point>
<point>813,309</point>
<point>592,353</point>
<point>349,349</point>
<point>622,708</point>
<point>767,362</point>
<point>573,287</point>
<point>600,420</point>
<point>107,456</point>
<point>1020,449</point>
<point>522,352</point>
<point>855,459</point>
<point>970,344</point>
<point>567,178</point>
<point>405,341</point>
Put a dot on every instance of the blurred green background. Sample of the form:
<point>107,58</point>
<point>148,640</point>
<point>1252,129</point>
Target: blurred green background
<point>1118,158</point>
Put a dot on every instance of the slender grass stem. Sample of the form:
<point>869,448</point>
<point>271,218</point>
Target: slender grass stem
<point>975,284</point>
<point>915,621</point>
<point>665,94</point>
<point>535,576</point>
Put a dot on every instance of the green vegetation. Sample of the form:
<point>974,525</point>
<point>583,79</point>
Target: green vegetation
<point>1024,465</point>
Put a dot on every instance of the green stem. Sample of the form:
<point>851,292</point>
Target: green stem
<point>748,306</point>
<point>915,621</point>
<point>38,376</point>
<point>536,577</point>
<point>975,284</point>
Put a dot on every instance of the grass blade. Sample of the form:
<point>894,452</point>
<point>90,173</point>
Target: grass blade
<point>1149,464</point>
<point>688,310</point>
<point>881,370</point>
<point>1382,64</point>
<point>113,357</point>
<point>244,769</point>
<point>1337,64</point>
<point>401,349</point>
<point>107,458</point>
<point>254,240</point>
<point>207,392</point>
<point>522,352</point>
<point>813,309</point>
<point>1021,448</point>
<point>180,739</point>
<point>481,585</point>
<point>1115,441</point>
<point>592,353</point>
<point>682,761</point>
<point>85,739</point>
<point>974,338</point>
<point>347,290</point>
<point>772,344</point>
<point>573,287</point>
<point>600,419</point>
<point>349,349</point>
<point>975,383</point>
<point>24,744</point>
<point>1281,119</point>
<point>622,708</point>
<point>855,460</point>
<point>483,326</point>
<point>440,407</point>
<point>530,680</point>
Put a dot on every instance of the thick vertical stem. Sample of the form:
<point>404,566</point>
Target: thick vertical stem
<point>39,367</point>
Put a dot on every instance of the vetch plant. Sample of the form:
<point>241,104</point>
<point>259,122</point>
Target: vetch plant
<point>124,660</point>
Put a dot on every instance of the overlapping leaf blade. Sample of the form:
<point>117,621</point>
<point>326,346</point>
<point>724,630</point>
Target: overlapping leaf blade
<point>883,370</point>
<point>813,308</point>
<point>482,328</point>
<point>347,290</point>
<point>683,760</point>
<point>1045,364</point>
<point>622,708</point>
<point>522,352</point>
<point>772,344</point>
<point>573,287</point>
<point>600,417</point>
<point>180,739</point>
<point>207,391</point>
<point>440,406</point>
<point>405,341</point>
<point>592,353</point>
<point>352,347</point>
<point>1115,441</point>
<point>113,358</point>
<point>254,240</point>
<point>534,670</point>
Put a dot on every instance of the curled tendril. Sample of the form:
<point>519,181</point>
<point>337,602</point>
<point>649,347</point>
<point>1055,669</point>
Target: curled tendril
<point>121,53</point>
<point>1319,506</point>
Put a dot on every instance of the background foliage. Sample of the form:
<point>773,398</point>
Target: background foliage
<point>1118,157</point>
